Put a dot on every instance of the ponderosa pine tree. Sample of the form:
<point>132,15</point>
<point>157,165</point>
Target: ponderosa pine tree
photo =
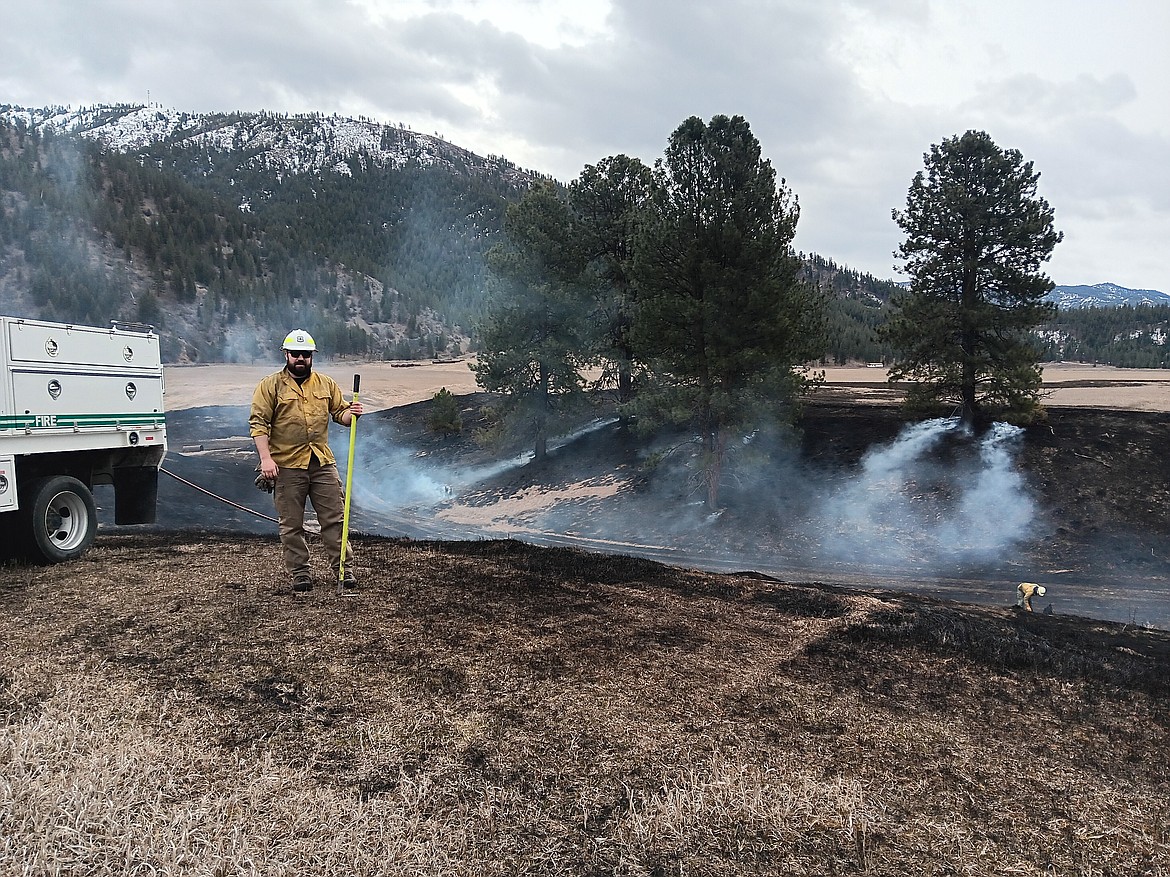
<point>722,317</point>
<point>976,235</point>
<point>607,199</point>
<point>535,338</point>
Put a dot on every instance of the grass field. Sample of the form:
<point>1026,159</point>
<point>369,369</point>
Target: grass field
<point>497,708</point>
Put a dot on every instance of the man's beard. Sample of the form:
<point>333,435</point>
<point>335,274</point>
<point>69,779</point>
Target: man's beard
<point>300,368</point>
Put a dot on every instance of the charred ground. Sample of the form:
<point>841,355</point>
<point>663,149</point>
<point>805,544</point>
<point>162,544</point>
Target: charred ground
<point>1099,478</point>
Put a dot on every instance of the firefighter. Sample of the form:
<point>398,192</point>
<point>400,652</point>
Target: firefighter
<point>289,422</point>
<point>1025,591</point>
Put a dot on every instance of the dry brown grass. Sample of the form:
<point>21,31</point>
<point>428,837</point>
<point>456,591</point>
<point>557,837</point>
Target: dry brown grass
<point>496,708</point>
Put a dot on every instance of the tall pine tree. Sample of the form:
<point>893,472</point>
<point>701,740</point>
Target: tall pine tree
<point>722,316</point>
<point>976,235</point>
<point>535,340</point>
<point>608,199</point>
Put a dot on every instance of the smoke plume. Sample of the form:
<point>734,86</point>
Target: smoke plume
<point>911,506</point>
<point>933,498</point>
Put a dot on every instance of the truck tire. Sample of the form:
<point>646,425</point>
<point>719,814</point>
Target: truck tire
<point>61,517</point>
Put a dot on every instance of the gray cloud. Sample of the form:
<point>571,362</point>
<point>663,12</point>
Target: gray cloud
<point>1028,94</point>
<point>847,145</point>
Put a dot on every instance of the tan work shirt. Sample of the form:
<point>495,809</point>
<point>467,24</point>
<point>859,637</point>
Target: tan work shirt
<point>295,417</point>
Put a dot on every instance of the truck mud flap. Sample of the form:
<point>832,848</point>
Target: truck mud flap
<point>135,495</point>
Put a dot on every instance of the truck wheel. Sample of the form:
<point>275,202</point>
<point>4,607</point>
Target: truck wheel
<point>61,516</point>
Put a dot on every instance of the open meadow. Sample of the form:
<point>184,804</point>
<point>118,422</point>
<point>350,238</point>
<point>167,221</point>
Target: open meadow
<point>385,385</point>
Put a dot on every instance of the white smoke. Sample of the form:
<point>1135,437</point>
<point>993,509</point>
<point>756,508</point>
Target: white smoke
<point>243,342</point>
<point>396,478</point>
<point>910,507</point>
<point>933,498</point>
<point>994,511</point>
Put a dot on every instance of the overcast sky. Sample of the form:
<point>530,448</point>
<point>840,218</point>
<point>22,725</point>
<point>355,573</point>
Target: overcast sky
<point>845,96</point>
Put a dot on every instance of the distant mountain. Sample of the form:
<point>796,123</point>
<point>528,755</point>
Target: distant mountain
<point>220,227</point>
<point>1105,295</point>
<point>223,229</point>
<point>264,142</point>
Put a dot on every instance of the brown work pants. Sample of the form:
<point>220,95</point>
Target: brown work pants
<point>320,485</point>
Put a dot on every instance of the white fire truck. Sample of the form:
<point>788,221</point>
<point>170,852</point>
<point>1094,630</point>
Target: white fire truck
<point>79,406</point>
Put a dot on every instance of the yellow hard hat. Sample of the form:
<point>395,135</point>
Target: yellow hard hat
<point>299,339</point>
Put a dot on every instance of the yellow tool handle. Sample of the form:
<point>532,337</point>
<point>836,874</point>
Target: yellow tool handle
<point>348,485</point>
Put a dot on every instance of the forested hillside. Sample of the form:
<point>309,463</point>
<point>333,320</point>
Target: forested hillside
<point>224,230</point>
<point>1129,336</point>
<point>856,308</point>
<point>385,261</point>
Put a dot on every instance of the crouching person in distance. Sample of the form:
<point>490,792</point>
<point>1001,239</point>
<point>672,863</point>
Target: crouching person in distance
<point>1024,594</point>
<point>289,422</point>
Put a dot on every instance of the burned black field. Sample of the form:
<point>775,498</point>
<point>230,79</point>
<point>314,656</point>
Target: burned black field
<point>490,706</point>
<point>1097,482</point>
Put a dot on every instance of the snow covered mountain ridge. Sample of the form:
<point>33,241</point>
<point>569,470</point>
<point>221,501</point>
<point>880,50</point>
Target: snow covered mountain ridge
<point>1105,295</point>
<point>286,144</point>
<point>1099,295</point>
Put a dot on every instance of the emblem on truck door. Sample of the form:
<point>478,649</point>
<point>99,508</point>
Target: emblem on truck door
<point>54,388</point>
<point>127,353</point>
<point>51,347</point>
<point>131,390</point>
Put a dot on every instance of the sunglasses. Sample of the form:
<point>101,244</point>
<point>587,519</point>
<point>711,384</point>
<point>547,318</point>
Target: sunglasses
<point>299,354</point>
